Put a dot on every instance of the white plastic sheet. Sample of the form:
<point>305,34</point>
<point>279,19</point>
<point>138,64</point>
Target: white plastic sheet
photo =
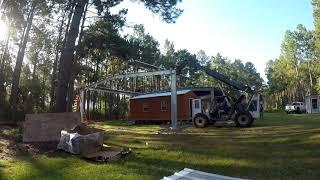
<point>80,144</point>
<point>66,141</point>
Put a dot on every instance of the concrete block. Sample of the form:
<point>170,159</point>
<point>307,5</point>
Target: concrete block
<point>46,127</point>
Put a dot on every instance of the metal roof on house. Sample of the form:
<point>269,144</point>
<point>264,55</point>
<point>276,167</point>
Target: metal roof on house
<point>160,94</point>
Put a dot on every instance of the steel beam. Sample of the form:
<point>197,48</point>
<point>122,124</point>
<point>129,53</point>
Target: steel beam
<point>131,75</point>
<point>107,90</point>
<point>143,64</point>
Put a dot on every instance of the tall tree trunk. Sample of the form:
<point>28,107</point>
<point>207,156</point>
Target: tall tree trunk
<point>55,63</point>
<point>105,106</point>
<point>34,98</point>
<point>158,79</point>
<point>100,106</point>
<point>94,96</point>
<point>117,103</point>
<point>2,67</point>
<point>88,105</point>
<point>43,99</point>
<point>72,3</point>
<point>17,69</point>
<point>76,65</point>
<point>110,106</point>
<point>310,79</point>
<point>66,59</point>
<point>35,65</point>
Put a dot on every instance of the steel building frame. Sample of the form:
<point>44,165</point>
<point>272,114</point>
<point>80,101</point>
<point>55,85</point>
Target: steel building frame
<point>173,79</point>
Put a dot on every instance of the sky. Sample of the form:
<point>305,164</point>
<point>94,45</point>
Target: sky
<point>250,30</point>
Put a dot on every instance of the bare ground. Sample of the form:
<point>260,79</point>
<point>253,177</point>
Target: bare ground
<point>11,145</point>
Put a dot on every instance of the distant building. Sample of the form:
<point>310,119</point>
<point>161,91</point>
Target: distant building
<point>312,104</point>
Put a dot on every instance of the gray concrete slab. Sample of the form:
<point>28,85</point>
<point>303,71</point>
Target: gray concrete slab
<point>46,127</point>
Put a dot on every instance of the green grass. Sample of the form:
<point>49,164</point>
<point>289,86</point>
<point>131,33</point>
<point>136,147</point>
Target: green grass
<point>279,147</point>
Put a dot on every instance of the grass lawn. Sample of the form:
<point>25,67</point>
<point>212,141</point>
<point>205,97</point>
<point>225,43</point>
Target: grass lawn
<point>279,147</point>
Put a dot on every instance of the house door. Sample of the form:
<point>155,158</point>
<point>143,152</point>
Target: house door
<point>314,105</point>
<point>196,106</point>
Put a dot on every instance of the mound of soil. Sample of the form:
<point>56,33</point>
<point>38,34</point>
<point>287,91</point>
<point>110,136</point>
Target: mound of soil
<point>11,145</point>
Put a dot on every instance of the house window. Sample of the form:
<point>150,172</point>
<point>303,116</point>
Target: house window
<point>197,104</point>
<point>164,106</point>
<point>146,107</point>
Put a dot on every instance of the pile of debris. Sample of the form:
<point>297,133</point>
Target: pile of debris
<point>73,136</point>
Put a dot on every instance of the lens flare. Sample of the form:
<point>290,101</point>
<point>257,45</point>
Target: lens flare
<point>3,30</point>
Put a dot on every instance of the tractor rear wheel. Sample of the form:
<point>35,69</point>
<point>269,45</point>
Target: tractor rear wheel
<point>244,119</point>
<point>200,121</point>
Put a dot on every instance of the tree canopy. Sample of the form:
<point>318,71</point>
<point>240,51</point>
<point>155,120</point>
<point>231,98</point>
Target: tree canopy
<point>56,45</point>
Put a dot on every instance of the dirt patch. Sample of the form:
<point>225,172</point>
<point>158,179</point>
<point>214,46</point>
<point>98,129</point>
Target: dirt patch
<point>7,142</point>
<point>11,145</point>
<point>84,130</point>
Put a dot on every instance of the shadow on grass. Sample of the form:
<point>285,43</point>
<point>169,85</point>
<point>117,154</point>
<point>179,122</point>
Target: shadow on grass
<point>278,150</point>
<point>42,169</point>
<point>286,156</point>
<point>2,166</point>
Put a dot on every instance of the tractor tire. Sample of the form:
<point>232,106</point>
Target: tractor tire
<point>243,119</point>
<point>298,110</point>
<point>200,121</point>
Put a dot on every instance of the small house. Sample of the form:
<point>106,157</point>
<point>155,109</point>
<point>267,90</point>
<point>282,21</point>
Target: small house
<point>312,104</point>
<point>156,106</point>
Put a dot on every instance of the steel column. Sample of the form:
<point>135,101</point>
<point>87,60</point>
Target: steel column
<point>174,114</point>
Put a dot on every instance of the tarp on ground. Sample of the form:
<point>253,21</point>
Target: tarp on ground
<point>88,143</point>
